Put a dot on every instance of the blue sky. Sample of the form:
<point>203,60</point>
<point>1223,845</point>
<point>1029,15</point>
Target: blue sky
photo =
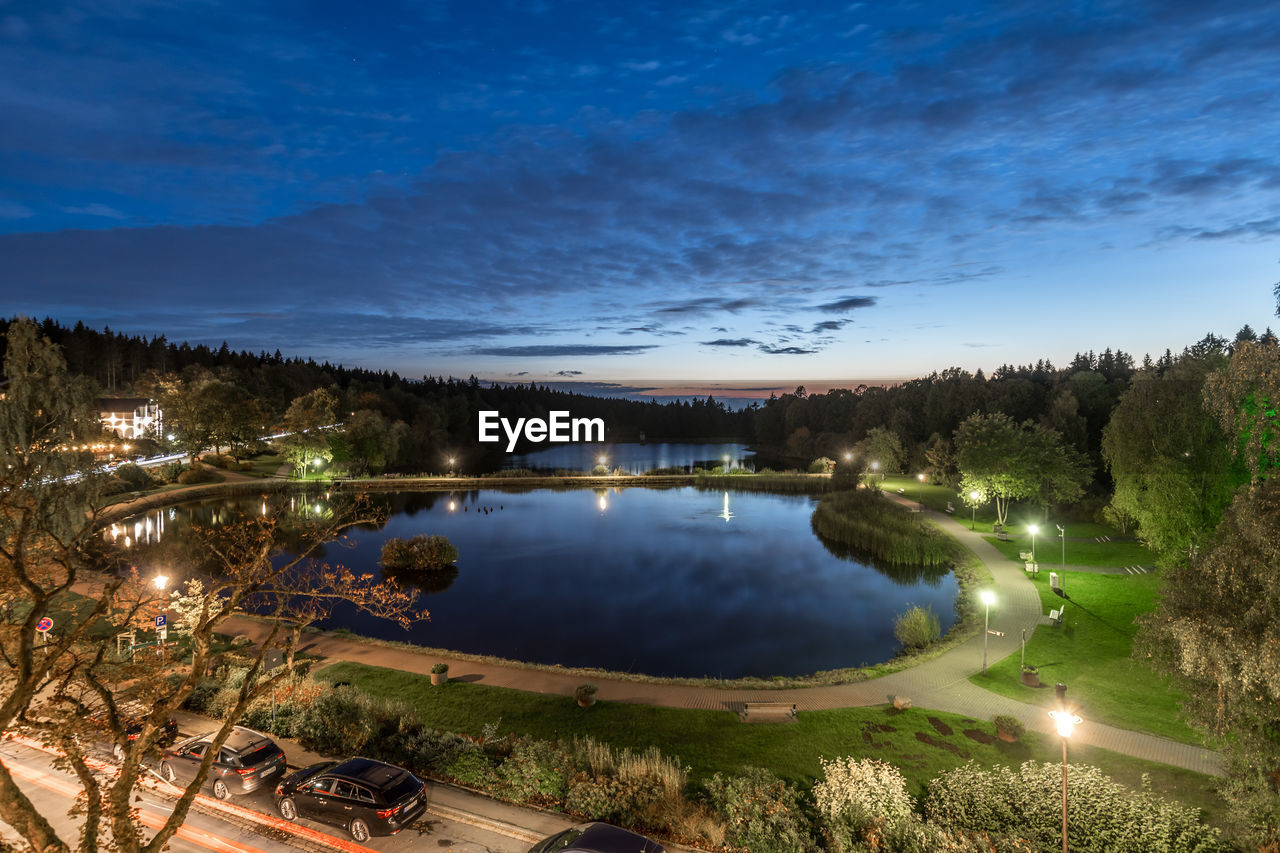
<point>736,192</point>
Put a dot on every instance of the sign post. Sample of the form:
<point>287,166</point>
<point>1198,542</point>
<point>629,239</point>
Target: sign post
<point>162,627</point>
<point>43,627</point>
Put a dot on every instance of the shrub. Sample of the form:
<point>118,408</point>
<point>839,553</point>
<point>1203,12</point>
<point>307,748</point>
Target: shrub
<point>1102,815</point>
<point>245,465</point>
<point>170,471</point>
<point>865,521</point>
<point>917,628</point>
<point>135,479</point>
<point>600,471</point>
<point>534,772</point>
<point>427,553</point>
<point>440,668</point>
<point>857,796</point>
<point>339,721</point>
<point>472,767</point>
<point>191,476</point>
<point>1010,724</point>
<point>762,814</point>
<point>585,693</point>
<point>821,465</point>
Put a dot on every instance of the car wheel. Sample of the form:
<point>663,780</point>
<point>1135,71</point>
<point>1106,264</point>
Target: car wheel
<point>220,789</point>
<point>166,770</point>
<point>359,830</point>
<point>288,810</point>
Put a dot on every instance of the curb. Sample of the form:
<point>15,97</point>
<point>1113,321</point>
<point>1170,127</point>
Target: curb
<point>501,827</point>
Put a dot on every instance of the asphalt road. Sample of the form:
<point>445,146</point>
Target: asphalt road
<point>53,792</point>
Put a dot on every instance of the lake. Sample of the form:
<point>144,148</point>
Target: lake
<point>634,458</point>
<point>669,582</point>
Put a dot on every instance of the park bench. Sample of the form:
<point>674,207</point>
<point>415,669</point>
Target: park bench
<point>1033,568</point>
<point>1024,556</point>
<point>767,712</point>
<point>950,508</point>
<point>902,491</point>
<point>1002,536</point>
<point>1055,616</point>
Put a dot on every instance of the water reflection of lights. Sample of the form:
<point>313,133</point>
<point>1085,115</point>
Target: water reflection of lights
<point>453,505</point>
<point>726,514</point>
<point>604,504</point>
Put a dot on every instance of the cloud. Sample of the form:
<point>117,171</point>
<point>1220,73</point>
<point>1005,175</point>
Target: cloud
<point>830,325</point>
<point>542,350</point>
<point>14,210</point>
<point>96,210</point>
<point>650,65</point>
<point>776,350</point>
<point>568,373</point>
<point>729,342</point>
<point>849,303</point>
<point>707,305</point>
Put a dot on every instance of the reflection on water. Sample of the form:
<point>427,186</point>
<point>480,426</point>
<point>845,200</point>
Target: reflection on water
<point>666,581</point>
<point>635,458</point>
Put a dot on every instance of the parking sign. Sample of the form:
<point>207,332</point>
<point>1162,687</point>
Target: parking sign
<point>162,620</point>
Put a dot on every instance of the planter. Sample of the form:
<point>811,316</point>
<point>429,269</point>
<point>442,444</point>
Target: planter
<point>1007,737</point>
<point>1031,678</point>
<point>586,701</point>
<point>438,678</point>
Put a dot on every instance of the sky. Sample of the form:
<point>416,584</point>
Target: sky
<point>690,195</point>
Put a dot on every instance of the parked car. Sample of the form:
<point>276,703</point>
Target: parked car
<point>597,838</point>
<point>248,759</point>
<point>132,714</point>
<point>363,796</point>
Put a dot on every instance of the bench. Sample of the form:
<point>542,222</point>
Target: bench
<point>1002,536</point>
<point>1033,568</point>
<point>1055,616</point>
<point>902,491</point>
<point>767,712</point>
<point>1024,556</point>
<point>950,508</point>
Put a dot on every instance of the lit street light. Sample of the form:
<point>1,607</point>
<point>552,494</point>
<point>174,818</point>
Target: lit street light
<point>973,504</point>
<point>451,462</point>
<point>920,491</point>
<point>1034,530</point>
<point>988,599</point>
<point>1067,722</point>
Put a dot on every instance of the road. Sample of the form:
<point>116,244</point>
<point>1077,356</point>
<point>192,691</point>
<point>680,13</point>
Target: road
<point>53,792</point>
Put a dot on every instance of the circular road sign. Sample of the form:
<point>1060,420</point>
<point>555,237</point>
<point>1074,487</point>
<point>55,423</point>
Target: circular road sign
<point>44,624</point>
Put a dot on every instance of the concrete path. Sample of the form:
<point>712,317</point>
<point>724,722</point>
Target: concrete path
<point>941,683</point>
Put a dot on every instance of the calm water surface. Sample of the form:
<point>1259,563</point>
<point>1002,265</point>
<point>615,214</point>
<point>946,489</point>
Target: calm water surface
<point>633,458</point>
<point>676,582</point>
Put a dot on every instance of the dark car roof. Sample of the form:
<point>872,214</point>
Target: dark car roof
<point>605,838</point>
<point>376,774</point>
<point>240,740</point>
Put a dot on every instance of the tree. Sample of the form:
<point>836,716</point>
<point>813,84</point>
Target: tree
<point>883,448</point>
<point>305,421</point>
<point>1216,629</point>
<point>1169,458</point>
<point>1244,397</point>
<point>54,563</point>
<point>941,457</point>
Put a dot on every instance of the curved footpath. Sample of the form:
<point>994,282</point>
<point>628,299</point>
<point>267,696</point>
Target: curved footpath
<point>941,683</point>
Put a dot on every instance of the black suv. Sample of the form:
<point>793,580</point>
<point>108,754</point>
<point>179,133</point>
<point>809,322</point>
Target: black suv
<point>247,760</point>
<point>597,838</point>
<point>364,796</point>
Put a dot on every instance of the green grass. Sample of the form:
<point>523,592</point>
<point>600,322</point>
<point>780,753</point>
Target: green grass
<point>1090,653</point>
<point>265,464</point>
<point>712,741</point>
<point>1089,553</point>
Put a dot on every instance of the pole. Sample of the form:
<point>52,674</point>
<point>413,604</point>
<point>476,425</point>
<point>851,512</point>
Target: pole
<point>1062,534</point>
<point>973,518</point>
<point>986,625</point>
<point>1064,795</point>
<point>1024,647</point>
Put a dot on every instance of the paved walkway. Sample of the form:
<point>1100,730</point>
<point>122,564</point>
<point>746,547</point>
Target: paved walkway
<point>941,683</point>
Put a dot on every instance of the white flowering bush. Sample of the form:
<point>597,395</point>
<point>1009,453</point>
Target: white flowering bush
<point>1103,816</point>
<point>861,796</point>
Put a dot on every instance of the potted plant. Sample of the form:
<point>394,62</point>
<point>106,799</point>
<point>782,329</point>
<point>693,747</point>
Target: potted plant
<point>585,694</point>
<point>1030,676</point>
<point>439,673</point>
<point>1009,728</point>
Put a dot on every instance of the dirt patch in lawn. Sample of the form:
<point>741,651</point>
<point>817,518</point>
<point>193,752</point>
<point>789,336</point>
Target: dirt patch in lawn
<point>980,736</point>
<point>940,727</point>
<point>929,739</point>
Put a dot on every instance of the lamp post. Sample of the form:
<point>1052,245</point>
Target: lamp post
<point>920,491</point>
<point>988,599</point>
<point>1062,580</point>
<point>1034,528</point>
<point>451,461</point>
<point>973,504</point>
<point>1066,721</point>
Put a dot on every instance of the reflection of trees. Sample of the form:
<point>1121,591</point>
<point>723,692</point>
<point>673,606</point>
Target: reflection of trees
<point>901,575</point>
<point>428,583</point>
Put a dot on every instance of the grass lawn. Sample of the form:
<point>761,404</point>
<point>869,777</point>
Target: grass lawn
<point>265,464</point>
<point>921,743</point>
<point>1086,553</point>
<point>1090,653</point>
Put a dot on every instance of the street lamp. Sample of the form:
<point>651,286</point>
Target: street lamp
<point>988,599</point>
<point>1062,580</point>
<point>973,504</point>
<point>1067,722</point>
<point>160,582</point>
<point>920,491</point>
<point>451,462</point>
<point>1034,530</point>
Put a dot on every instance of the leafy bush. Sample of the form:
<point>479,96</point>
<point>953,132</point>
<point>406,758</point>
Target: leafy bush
<point>472,767</point>
<point>191,476</point>
<point>856,797</point>
<point>917,628</point>
<point>534,772</point>
<point>439,668</point>
<point>585,693</point>
<point>1102,815</point>
<point>762,814</point>
<point>427,553</point>
<point>600,471</point>
<point>135,479</point>
<point>170,471</point>
<point>866,521</point>
<point>338,721</point>
<point>821,465</point>
<point>1010,724</point>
